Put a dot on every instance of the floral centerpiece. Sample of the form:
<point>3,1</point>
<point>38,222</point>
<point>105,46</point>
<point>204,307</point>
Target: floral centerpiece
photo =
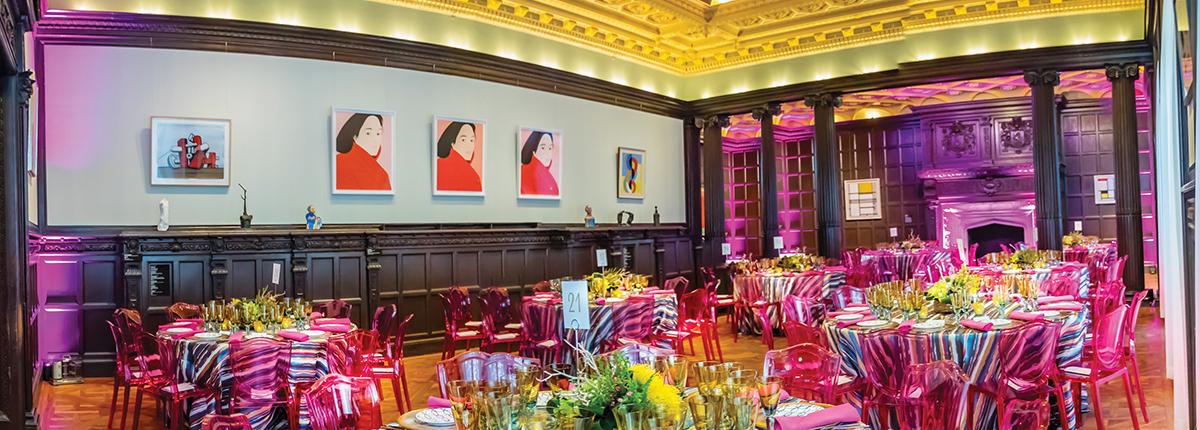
<point>615,283</point>
<point>799,262</point>
<point>263,311</point>
<point>612,384</point>
<point>957,283</point>
<point>1027,259</point>
<point>1076,238</point>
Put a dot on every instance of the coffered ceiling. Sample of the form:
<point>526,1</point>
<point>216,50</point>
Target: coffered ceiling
<point>693,36</point>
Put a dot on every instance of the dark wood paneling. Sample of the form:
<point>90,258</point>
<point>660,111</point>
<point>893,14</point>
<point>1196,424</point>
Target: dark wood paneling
<point>890,151</point>
<point>797,197</point>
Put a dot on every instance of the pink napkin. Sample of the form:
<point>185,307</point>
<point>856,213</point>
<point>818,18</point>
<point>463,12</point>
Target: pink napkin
<point>293,335</point>
<point>315,315</point>
<point>836,313</point>
<point>438,402</point>
<point>905,326</point>
<point>600,301</point>
<point>1026,316</point>
<point>333,328</point>
<point>190,320</point>
<point>322,321</point>
<point>977,325</point>
<point>843,413</point>
<point>1073,307</point>
<point>1054,299</point>
<point>236,337</point>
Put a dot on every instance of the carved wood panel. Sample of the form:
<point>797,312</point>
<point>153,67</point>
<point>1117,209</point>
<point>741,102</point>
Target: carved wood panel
<point>891,151</point>
<point>797,198</point>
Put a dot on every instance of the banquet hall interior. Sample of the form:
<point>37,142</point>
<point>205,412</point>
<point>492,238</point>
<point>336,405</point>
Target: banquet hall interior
<point>598,214</point>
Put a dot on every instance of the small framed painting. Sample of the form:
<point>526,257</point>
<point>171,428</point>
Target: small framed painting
<point>363,144</point>
<point>863,199</point>
<point>458,157</point>
<point>189,151</point>
<point>539,164</point>
<point>631,173</point>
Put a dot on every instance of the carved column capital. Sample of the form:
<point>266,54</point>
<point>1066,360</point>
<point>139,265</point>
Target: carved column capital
<point>26,81</point>
<point>1041,77</point>
<point>1122,71</point>
<point>719,121</point>
<point>771,109</point>
<point>823,100</point>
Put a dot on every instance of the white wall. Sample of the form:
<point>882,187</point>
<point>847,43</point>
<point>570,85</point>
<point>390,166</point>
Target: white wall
<point>99,100</point>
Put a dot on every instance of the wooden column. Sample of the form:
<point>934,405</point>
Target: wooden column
<point>768,187</point>
<point>827,172</point>
<point>1047,159</point>
<point>692,197</point>
<point>1125,153</point>
<point>714,191</point>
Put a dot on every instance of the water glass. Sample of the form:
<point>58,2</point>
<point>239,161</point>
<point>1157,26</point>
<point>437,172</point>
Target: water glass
<point>628,418</point>
<point>743,414</point>
<point>706,412</point>
<point>462,404</point>
<point>769,391</point>
<point>674,369</point>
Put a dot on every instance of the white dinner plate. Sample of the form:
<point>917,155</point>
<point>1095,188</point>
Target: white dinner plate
<point>208,335</point>
<point>180,330</point>
<point>256,335</point>
<point>314,333</point>
<point>1050,314</point>
<point>873,323</point>
<point>848,317</point>
<point>614,300</point>
<point>930,325</point>
<point>1000,322</point>
<point>436,417</point>
<point>856,308</point>
<point>797,409</point>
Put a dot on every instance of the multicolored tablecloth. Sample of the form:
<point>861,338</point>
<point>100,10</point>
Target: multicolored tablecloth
<point>771,288</point>
<point>632,317</point>
<point>1075,272</point>
<point>903,264</point>
<point>975,352</point>
<point>1104,252</point>
<point>205,363</point>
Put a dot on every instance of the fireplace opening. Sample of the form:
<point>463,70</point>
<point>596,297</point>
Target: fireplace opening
<point>990,237</point>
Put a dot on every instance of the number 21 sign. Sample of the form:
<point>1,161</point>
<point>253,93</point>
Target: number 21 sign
<point>575,305</point>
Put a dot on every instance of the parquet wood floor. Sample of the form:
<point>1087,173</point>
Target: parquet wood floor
<point>85,406</point>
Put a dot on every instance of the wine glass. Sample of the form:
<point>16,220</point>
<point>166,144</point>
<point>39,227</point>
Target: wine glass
<point>674,368</point>
<point>462,403</point>
<point>769,391</point>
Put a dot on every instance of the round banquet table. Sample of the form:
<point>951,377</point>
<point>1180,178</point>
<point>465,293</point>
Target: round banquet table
<point>772,288</point>
<point>205,363</point>
<point>975,352</point>
<point>903,264</point>
<point>634,316</point>
<point>1082,253</point>
<point>1076,272</point>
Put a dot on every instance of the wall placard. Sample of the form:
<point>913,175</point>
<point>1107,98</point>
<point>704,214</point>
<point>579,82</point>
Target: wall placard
<point>160,279</point>
<point>863,199</point>
<point>1106,188</point>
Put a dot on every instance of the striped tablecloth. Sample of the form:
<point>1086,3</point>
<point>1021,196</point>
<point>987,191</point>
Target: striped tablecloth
<point>1076,272</point>
<point>976,353</point>
<point>903,264</point>
<point>206,364</point>
<point>815,284</point>
<point>632,317</point>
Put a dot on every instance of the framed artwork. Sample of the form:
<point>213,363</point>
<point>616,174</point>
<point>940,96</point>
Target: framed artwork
<point>631,173</point>
<point>189,151</point>
<point>363,147</point>
<point>539,164</point>
<point>863,199</point>
<point>1105,187</point>
<point>458,157</point>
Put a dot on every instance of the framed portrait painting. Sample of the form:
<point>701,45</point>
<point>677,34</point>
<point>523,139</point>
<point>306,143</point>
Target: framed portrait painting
<point>363,147</point>
<point>189,151</point>
<point>631,173</point>
<point>458,155</point>
<point>539,164</point>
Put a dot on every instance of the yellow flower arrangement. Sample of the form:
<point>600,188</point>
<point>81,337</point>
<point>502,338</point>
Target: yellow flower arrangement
<point>642,373</point>
<point>667,396</point>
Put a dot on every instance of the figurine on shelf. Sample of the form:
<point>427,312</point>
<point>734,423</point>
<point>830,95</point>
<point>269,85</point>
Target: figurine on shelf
<point>164,209</point>
<point>589,221</point>
<point>657,217</point>
<point>311,220</point>
<point>246,217</point>
<point>624,218</point>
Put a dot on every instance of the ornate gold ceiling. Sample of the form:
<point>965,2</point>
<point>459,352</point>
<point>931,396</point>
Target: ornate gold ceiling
<point>692,36</point>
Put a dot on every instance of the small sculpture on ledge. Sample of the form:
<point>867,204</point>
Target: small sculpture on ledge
<point>589,221</point>
<point>164,210</point>
<point>246,217</point>
<point>311,220</point>
<point>624,218</point>
<point>657,217</point>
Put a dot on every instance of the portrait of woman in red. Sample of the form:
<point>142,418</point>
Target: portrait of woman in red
<point>359,165</point>
<point>457,148</point>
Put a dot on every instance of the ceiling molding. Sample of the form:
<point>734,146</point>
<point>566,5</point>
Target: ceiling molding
<point>690,37</point>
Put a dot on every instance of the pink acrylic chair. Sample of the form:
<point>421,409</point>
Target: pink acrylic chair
<point>338,402</point>
<point>849,295</point>
<point>480,367</point>
<point>226,422</point>
<point>391,366</point>
<point>695,320</point>
<point>886,356</point>
<point>809,368</point>
<point>634,326</point>
<point>799,308</point>
<point>166,382</point>
<point>637,353</point>
<point>260,373</point>
<point>336,308</point>
<point>1027,366</point>
<point>1106,297</point>
<point>933,396</point>
<point>719,301</point>
<point>678,285</point>
<point>180,310</point>
<point>134,371</point>
<point>499,327</point>
<point>1131,352</point>
<point>798,333</point>
<point>1114,271</point>
<point>456,313</point>
<point>1106,361</point>
<point>541,342</point>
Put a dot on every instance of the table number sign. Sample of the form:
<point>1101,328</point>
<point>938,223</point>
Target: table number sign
<point>893,232</point>
<point>275,269</point>
<point>602,258</point>
<point>575,305</point>
<point>1079,226</point>
<point>726,249</point>
<point>778,242</point>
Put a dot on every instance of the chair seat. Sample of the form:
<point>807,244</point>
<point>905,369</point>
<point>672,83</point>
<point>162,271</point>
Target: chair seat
<point>725,302</point>
<point>843,380</point>
<point>677,334</point>
<point>473,324</point>
<point>179,388</point>
<point>512,326</point>
<point>466,333</point>
<point>506,336</point>
<point>548,343</point>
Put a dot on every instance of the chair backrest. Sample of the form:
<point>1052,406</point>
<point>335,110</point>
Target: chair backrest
<point>847,295</point>
<point>129,327</point>
<point>181,310</point>
<point>678,284</point>
<point>396,350</point>
<point>1061,284</point>
<point>694,306</point>
<point>481,367</point>
<point>1027,356</point>
<point>226,422</point>
<point>802,366</point>
<point>542,286</point>
<point>938,389</point>
<point>1107,297</point>
<point>1131,316</point>
<point>1110,340</point>
<point>122,353</point>
<point>798,308</point>
<point>456,307</point>
<point>886,356</point>
<point>338,402</point>
<point>1116,269</point>
<point>638,353</point>
<point>383,323</point>
<point>351,354</point>
<point>798,333</point>
<point>336,308</point>
<point>168,362</point>
<point>711,282</point>
<point>259,366</point>
<point>496,308</point>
